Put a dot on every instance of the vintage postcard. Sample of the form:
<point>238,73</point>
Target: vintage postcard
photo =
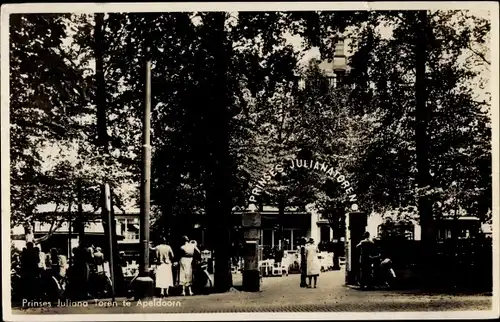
<point>250,161</point>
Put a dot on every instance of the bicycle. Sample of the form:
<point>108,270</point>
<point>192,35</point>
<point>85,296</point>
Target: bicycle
<point>382,273</point>
<point>100,284</point>
<point>53,286</point>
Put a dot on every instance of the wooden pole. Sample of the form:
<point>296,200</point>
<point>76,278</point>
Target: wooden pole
<point>70,236</point>
<point>144,287</point>
<point>109,220</point>
<point>422,118</point>
<point>146,176</point>
<point>80,222</point>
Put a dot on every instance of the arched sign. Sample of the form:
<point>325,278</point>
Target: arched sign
<point>330,171</point>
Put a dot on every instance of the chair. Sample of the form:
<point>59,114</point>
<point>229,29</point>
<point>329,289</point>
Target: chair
<point>277,269</point>
<point>284,269</point>
<point>264,268</point>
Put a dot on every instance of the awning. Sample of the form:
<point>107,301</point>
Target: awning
<point>133,226</point>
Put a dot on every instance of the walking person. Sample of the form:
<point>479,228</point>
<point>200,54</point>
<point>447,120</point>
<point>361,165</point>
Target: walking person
<point>41,262</point>
<point>40,272</point>
<point>57,271</point>
<point>164,278</point>
<point>99,260</point>
<point>102,285</point>
<point>366,250</point>
<point>188,251</point>
<point>313,265</point>
<point>30,270</point>
<point>57,263</point>
<point>83,260</point>
<point>303,262</point>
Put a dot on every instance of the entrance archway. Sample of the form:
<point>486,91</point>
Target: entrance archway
<point>329,171</point>
<point>354,219</point>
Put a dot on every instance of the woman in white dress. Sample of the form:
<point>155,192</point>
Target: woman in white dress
<point>313,266</point>
<point>164,278</point>
<point>186,265</point>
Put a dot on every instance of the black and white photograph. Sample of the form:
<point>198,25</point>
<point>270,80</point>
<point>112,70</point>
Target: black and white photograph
<point>235,161</point>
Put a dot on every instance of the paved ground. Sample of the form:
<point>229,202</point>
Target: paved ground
<point>283,294</point>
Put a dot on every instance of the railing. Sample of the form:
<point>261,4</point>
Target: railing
<point>131,236</point>
<point>464,264</point>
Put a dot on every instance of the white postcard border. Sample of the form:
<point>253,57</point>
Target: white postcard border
<point>243,6</point>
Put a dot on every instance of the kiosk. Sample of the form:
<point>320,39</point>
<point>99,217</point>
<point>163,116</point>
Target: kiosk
<point>251,223</point>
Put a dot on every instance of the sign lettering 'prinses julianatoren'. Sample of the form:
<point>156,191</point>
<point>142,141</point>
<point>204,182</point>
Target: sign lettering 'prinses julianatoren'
<point>335,174</point>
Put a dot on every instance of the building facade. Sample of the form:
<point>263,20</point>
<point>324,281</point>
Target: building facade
<point>64,237</point>
<point>294,225</point>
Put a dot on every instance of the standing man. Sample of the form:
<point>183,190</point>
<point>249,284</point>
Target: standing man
<point>366,249</point>
<point>303,262</point>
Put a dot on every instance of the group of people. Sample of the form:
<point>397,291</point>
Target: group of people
<point>34,266</point>
<point>310,266</point>
<point>87,272</point>
<point>369,261</point>
<point>166,266</point>
<point>49,275</point>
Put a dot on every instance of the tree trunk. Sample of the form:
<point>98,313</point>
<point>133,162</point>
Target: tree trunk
<point>118,273</point>
<point>219,197</point>
<point>100,83</point>
<point>422,118</point>
<point>80,220</point>
<point>168,220</point>
<point>70,235</point>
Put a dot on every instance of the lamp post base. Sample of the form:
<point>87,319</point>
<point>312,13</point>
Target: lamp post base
<point>336,264</point>
<point>143,288</point>
<point>351,278</point>
<point>251,280</point>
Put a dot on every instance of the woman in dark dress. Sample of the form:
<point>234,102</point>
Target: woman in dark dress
<point>303,262</point>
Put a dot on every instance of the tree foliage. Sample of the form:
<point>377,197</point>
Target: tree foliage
<point>227,106</point>
<point>383,73</point>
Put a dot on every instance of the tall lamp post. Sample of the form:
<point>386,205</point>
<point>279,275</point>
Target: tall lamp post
<point>144,286</point>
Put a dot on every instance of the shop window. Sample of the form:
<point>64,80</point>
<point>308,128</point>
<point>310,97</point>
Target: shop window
<point>267,237</point>
<point>324,233</point>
